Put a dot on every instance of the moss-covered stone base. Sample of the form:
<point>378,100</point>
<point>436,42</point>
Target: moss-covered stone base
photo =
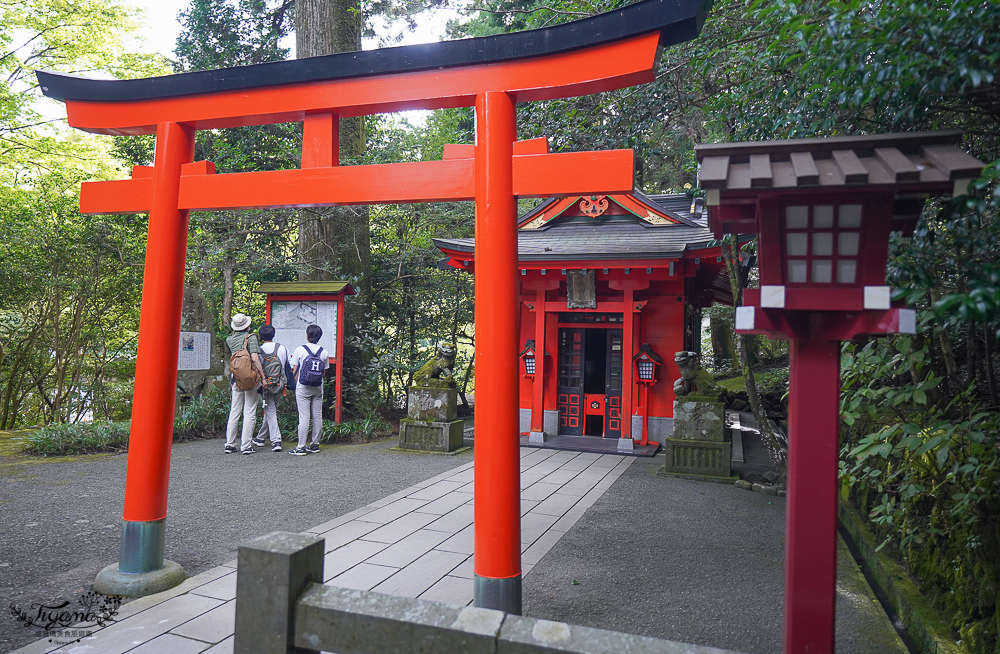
<point>430,436</point>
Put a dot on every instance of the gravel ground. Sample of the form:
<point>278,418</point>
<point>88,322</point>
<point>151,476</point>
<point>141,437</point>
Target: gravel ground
<point>690,561</point>
<point>683,560</point>
<point>61,518</point>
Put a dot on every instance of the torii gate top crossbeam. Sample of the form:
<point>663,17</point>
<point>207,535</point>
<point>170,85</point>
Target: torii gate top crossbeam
<point>601,53</point>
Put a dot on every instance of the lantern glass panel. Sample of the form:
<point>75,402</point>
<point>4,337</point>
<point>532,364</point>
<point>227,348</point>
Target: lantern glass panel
<point>823,216</point>
<point>849,216</point>
<point>822,244</point>
<point>847,271</point>
<point>822,272</point>
<point>798,244</point>
<point>847,244</point>
<point>796,217</point>
<point>645,370</point>
<point>797,270</point>
<point>529,365</point>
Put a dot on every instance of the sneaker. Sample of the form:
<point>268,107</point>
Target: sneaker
<point>314,448</point>
<point>276,447</point>
<point>258,442</point>
<point>229,449</point>
<point>298,451</point>
<point>249,450</point>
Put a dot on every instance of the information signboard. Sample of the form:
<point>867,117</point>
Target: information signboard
<point>291,317</point>
<point>195,351</point>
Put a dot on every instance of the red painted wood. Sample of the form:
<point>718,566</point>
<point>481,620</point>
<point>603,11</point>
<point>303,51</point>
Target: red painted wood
<point>497,462</point>
<point>538,386</point>
<point>148,471</point>
<point>628,351</point>
<point>876,215</point>
<point>321,140</point>
<point>811,510</point>
<point>338,401</point>
<point>535,175</point>
<point>769,243</point>
<point>582,72</point>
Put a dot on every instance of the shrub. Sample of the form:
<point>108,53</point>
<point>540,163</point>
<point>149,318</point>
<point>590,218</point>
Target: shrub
<point>64,440</point>
<point>204,417</point>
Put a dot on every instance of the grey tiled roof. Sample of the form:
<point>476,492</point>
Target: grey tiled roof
<point>604,237</point>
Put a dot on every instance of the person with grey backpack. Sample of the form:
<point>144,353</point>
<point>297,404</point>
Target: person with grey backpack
<point>245,375</point>
<point>274,358</point>
<point>309,364</point>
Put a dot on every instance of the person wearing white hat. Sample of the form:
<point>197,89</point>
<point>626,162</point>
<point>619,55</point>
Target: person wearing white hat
<point>244,402</point>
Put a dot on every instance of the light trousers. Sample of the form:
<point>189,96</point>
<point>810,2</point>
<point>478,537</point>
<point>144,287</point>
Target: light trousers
<point>309,400</point>
<point>244,402</point>
<point>269,426</point>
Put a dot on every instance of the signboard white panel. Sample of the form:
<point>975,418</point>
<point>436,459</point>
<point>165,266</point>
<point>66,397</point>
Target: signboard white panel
<point>291,317</point>
<point>195,351</point>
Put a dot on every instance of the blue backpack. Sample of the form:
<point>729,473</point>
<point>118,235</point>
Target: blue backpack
<point>311,371</point>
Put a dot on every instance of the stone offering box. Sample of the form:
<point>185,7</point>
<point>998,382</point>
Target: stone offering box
<point>432,423</point>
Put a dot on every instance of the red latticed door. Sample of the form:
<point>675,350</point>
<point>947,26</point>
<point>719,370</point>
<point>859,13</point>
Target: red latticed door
<point>613,405</point>
<point>570,390</point>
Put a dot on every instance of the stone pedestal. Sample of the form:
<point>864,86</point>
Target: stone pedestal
<point>431,424</point>
<point>698,445</point>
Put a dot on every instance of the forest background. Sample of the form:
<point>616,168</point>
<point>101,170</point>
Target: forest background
<point>920,414</point>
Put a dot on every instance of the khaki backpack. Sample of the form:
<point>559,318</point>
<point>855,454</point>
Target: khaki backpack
<point>241,365</point>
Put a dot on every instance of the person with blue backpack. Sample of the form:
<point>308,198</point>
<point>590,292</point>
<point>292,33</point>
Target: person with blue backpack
<point>309,363</point>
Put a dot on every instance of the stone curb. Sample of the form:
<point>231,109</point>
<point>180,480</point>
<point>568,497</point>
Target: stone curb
<point>760,488</point>
<point>927,629</point>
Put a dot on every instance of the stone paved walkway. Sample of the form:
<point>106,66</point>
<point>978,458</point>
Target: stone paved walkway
<point>415,543</point>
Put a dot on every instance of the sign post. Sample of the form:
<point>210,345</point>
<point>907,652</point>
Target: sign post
<point>293,306</point>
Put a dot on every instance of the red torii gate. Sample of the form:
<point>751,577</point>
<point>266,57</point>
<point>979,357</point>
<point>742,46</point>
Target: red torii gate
<point>606,52</point>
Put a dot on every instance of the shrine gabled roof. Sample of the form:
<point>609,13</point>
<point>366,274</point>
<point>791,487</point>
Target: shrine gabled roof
<point>674,208</point>
<point>676,21</point>
<point>606,237</point>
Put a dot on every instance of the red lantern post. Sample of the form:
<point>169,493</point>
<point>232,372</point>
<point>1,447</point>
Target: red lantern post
<point>823,210</point>
<point>646,363</point>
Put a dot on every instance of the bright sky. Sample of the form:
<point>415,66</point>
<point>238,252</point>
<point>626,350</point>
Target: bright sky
<point>163,28</point>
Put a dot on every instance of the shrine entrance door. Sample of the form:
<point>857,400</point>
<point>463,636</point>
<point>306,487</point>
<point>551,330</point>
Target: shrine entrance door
<point>590,381</point>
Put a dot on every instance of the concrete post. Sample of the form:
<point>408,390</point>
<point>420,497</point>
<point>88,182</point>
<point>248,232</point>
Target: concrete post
<point>272,572</point>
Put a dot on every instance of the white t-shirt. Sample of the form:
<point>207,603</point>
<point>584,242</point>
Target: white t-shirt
<point>268,348</point>
<point>300,354</point>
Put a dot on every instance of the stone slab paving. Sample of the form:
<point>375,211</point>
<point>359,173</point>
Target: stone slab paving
<point>414,543</point>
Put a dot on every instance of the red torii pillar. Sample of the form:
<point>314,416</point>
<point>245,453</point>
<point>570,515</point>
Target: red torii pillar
<point>619,49</point>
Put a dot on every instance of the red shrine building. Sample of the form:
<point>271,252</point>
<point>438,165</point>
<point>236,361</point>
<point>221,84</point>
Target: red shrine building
<point>610,288</point>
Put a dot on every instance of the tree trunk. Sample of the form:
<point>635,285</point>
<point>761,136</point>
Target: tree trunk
<point>227,292</point>
<point>336,242</point>
<point>723,347</point>
<point>771,443</point>
<point>951,367</point>
<point>991,383</point>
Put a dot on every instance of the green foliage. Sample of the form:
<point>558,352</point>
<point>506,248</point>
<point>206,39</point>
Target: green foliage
<point>925,468</point>
<point>70,439</point>
<point>203,417</point>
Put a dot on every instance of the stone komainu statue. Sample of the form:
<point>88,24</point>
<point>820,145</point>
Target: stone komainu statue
<point>688,363</point>
<point>439,372</point>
